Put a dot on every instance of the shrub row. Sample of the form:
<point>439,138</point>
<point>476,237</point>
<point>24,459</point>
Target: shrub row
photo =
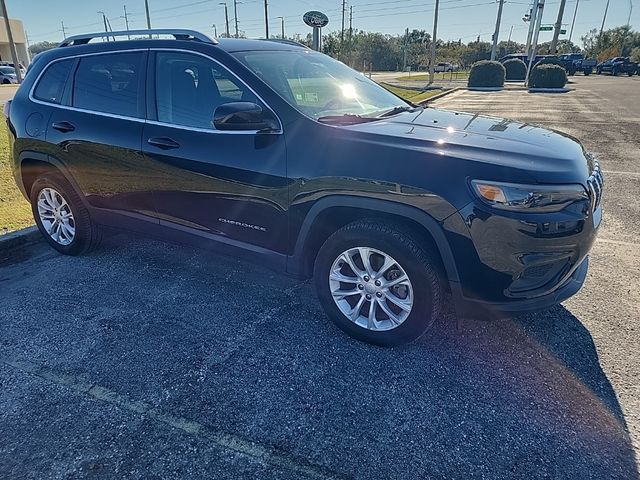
<point>546,73</point>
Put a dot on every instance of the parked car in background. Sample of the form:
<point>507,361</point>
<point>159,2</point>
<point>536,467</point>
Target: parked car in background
<point>617,65</point>
<point>575,62</point>
<point>8,75</point>
<point>283,155</point>
<point>444,67</point>
<point>23,70</point>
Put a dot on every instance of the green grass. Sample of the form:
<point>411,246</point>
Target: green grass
<point>15,211</point>
<point>413,96</point>
<point>424,77</point>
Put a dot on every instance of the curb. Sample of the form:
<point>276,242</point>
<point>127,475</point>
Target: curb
<point>19,238</point>
<point>550,90</point>
<point>439,95</point>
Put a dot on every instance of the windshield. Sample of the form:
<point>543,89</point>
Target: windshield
<point>7,70</point>
<point>319,86</point>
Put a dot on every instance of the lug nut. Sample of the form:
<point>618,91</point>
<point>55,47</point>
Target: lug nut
<point>360,286</point>
<point>379,294</point>
<point>366,278</point>
<point>378,283</point>
<point>368,296</point>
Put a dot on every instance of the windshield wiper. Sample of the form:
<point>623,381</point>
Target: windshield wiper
<point>396,110</point>
<point>347,119</point>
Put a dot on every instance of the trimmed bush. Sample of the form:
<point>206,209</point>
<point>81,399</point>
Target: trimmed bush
<point>515,69</point>
<point>550,61</point>
<point>486,73</point>
<point>547,76</point>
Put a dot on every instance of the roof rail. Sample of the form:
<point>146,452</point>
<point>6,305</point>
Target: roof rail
<point>179,34</point>
<point>285,42</point>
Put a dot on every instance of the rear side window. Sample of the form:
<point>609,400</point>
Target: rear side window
<point>51,85</point>
<point>111,83</point>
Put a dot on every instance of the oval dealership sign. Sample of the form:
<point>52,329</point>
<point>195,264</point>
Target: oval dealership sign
<point>315,19</point>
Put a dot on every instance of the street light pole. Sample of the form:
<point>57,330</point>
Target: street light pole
<point>573,22</point>
<point>235,14</point>
<point>266,20</point>
<point>146,9</point>
<point>432,54</point>
<point>12,45</point>
<point>540,7</point>
<point>126,21</point>
<point>604,18</point>
<point>496,32</point>
<point>226,17</point>
<point>556,31</point>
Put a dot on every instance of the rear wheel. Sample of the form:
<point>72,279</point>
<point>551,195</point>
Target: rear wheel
<point>61,216</point>
<point>378,283</point>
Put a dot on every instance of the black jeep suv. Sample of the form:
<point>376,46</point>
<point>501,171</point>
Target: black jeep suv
<point>272,151</point>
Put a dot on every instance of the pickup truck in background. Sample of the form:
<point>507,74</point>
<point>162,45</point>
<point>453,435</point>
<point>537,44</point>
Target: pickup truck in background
<point>575,62</point>
<point>617,65</point>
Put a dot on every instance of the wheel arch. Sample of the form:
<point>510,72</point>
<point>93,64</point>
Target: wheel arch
<point>332,213</point>
<point>33,164</point>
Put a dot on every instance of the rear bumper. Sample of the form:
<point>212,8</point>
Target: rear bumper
<point>571,286</point>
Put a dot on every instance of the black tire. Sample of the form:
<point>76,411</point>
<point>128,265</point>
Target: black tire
<point>417,261</point>
<point>587,73</point>
<point>614,72</point>
<point>599,71</point>
<point>630,74</point>
<point>87,234</point>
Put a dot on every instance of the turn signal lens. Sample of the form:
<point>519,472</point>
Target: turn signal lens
<point>492,193</point>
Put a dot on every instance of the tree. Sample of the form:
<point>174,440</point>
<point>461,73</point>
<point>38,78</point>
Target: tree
<point>39,47</point>
<point>635,54</point>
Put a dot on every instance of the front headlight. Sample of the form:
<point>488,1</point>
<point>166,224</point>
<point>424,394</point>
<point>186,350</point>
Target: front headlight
<point>528,198</point>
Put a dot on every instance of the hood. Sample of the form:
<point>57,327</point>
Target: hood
<point>545,156</point>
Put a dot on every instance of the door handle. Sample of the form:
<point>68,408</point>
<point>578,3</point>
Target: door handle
<point>164,143</point>
<point>63,127</point>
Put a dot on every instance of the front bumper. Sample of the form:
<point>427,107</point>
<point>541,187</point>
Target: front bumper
<point>465,306</point>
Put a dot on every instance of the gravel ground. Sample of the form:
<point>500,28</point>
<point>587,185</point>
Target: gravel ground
<point>148,360</point>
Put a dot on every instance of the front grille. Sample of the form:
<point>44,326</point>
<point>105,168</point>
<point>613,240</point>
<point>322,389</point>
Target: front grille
<point>596,186</point>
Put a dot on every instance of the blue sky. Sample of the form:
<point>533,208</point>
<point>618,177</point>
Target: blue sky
<point>465,19</point>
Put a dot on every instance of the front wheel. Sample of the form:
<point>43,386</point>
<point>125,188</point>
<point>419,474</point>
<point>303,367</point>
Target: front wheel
<point>378,283</point>
<point>61,216</point>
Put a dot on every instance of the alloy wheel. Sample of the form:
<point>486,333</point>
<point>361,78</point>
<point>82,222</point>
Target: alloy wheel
<point>56,216</point>
<point>371,288</point>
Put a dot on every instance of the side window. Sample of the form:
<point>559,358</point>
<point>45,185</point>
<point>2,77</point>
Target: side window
<point>51,85</point>
<point>111,83</point>
<point>190,87</point>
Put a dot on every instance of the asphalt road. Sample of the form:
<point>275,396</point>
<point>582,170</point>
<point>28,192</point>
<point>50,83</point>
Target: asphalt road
<point>148,360</point>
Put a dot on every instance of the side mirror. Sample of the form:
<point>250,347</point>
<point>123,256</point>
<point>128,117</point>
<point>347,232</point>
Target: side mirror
<point>243,116</point>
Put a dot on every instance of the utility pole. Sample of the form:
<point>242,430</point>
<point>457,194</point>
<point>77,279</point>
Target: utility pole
<point>496,32</point>
<point>532,23</point>
<point>575,12</point>
<point>226,18</point>
<point>12,45</point>
<point>350,23</point>
<point>406,45</point>
<point>556,30</point>
<point>146,9</point>
<point>282,25</point>
<point>536,34</point>
<point>26,37</point>
<point>604,18</point>
<point>64,30</point>
<point>344,4</point>
<point>126,21</point>
<point>432,55</point>
<point>235,14</point>
<point>266,20</point>
<point>510,32</point>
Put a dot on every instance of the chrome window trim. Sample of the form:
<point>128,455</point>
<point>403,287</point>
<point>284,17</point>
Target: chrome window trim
<point>146,120</point>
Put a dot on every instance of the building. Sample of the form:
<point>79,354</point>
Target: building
<point>19,38</point>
